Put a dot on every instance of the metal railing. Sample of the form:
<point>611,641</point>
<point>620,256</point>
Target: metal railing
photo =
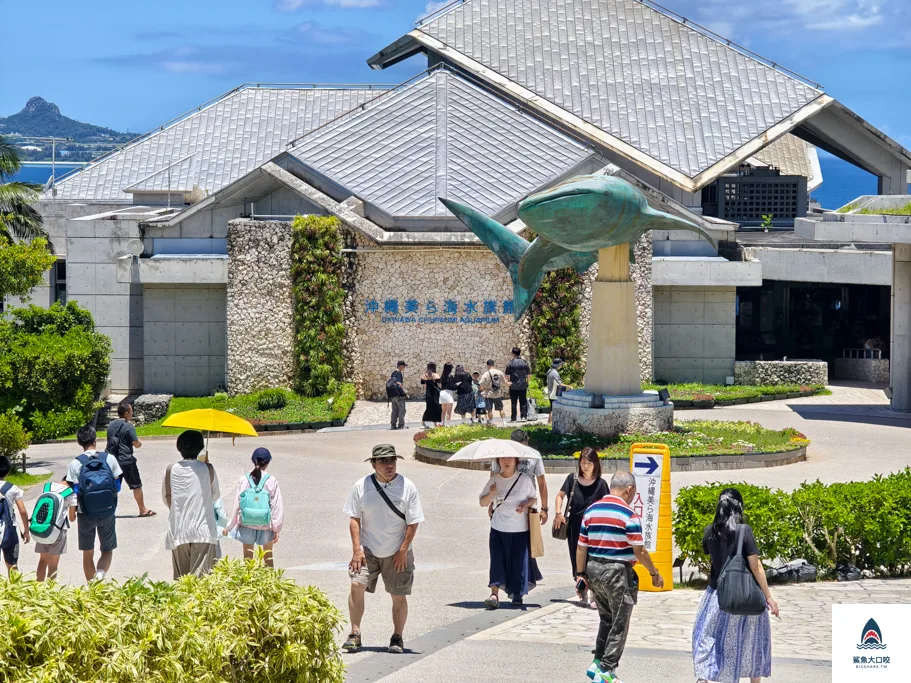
<point>856,354</point>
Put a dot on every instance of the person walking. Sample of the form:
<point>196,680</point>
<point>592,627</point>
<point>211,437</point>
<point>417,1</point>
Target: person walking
<point>121,442</point>
<point>555,386</point>
<point>517,371</point>
<point>10,501</point>
<point>580,489</point>
<point>396,394</point>
<point>509,543</point>
<point>728,647</point>
<point>55,508</point>
<point>384,511</point>
<point>190,491</point>
<point>97,477</point>
<point>258,509</point>
<point>610,544</point>
<point>533,468</point>
<point>447,397</point>
<point>479,402</point>
<point>493,384</point>
<point>433,414</point>
<point>465,400</point>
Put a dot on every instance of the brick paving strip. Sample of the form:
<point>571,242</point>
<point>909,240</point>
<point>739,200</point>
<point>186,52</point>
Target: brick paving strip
<point>664,621</point>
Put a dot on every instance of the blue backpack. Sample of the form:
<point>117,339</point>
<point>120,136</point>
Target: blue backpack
<point>97,493</point>
<point>7,526</point>
<point>255,503</point>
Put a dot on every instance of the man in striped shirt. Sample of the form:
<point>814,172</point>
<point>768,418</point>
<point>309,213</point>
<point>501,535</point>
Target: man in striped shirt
<point>610,543</point>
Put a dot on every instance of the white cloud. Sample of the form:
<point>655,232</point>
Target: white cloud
<point>327,35</point>
<point>432,7</point>
<point>294,5</point>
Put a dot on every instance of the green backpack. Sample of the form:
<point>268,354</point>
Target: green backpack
<point>49,518</point>
<point>255,504</point>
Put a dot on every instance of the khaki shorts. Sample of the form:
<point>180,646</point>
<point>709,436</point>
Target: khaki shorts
<point>396,583</point>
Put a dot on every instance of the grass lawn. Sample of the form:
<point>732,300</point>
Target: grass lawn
<point>298,409</point>
<point>688,438</point>
<point>721,392</point>
<point>24,481</point>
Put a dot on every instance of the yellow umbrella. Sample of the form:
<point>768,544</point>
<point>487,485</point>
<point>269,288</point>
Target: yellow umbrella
<point>210,420</point>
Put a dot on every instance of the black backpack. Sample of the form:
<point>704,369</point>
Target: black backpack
<point>393,390</point>
<point>495,381</point>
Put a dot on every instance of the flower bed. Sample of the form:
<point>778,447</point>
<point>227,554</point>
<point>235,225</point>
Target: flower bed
<point>718,395</point>
<point>687,439</point>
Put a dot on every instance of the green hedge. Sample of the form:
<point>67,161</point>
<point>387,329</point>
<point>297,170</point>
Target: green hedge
<point>243,622</point>
<point>865,523</point>
<point>53,365</point>
<point>555,318</point>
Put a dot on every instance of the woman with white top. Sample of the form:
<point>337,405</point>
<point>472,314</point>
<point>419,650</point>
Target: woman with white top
<point>512,494</point>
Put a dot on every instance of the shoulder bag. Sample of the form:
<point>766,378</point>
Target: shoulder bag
<point>562,532</point>
<point>738,591</point>
<point>379,489</point>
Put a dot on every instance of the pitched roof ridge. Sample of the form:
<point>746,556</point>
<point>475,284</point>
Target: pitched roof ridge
<point>669,14</point>
<point>205,106</point>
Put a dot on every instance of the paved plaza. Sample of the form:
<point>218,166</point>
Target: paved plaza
<point>449,635</point>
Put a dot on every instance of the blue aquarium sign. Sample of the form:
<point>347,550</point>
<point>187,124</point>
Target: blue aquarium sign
<point>406,311</point>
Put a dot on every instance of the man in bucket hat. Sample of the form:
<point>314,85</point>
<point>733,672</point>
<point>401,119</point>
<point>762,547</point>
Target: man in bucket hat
<point>384,510</point>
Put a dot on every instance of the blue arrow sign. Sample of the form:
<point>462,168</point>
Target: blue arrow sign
<point>651,465</point>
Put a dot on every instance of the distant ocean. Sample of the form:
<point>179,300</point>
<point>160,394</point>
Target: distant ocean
<point>842,182</point>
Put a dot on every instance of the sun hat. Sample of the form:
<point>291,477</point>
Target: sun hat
<point>557,362</point>
<point>384,450</point>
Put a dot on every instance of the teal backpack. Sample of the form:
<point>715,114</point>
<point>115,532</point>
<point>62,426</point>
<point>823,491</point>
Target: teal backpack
<point>255,504</point>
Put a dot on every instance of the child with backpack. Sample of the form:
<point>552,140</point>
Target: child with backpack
<point>258,510</point>
<point>96,478</point>
<point>10,497</point>
<point>52,515</point>
<point>480,403</point>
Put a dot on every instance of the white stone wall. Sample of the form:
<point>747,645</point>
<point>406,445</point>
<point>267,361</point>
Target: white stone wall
<point>429,278</point>
<point>695,334</point>
<point>260,311</point>
<point>759,372</point>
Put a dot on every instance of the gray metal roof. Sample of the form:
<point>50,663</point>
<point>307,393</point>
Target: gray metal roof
<point>664,87</point>
<point>215,145</point>
<point>789,154</point>
<point>439,136</point>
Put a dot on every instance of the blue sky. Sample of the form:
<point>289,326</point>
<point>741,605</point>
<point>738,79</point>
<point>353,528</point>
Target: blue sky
<point>133,65</point>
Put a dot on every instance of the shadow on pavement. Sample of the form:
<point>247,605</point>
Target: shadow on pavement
<point>479,605</point>
<point>860,414</point>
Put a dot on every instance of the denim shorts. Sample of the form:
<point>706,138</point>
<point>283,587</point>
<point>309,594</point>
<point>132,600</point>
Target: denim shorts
<point>249,536</point>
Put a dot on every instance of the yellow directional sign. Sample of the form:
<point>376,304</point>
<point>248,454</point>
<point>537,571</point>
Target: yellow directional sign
<point>650,463</point>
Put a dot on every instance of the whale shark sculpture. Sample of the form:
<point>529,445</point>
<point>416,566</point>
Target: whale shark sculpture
<point>573,221</point>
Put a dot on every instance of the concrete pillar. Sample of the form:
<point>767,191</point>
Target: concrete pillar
<point>612,366</point>
<point>895,182</point>
<point>900,362</point>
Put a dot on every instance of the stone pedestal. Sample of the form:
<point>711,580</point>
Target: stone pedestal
<point>642,412</point>
<point>613,401</point>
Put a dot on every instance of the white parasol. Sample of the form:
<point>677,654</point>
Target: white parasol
<point>491,449</point>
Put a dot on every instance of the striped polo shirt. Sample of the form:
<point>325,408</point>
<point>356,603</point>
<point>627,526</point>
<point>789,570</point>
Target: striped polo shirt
<point>610,529</point>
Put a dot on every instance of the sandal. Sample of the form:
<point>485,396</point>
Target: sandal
<point>492,602</point>
<point>149,513</point>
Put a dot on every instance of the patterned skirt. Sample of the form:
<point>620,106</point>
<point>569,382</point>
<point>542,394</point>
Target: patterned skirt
<point>728,647</point>
<point>465,404</point>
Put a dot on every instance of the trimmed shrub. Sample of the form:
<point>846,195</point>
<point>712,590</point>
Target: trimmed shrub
<point>272,399</point>
<point>243,622</point>
<point>867,524</point>
<point>319,299</point>
<point>13,438</point>
<point>52,361</point>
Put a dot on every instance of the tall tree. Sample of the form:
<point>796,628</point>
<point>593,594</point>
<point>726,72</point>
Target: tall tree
<point>19,220</point>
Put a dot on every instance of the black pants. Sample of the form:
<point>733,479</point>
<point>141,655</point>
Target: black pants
<point>520,396</point>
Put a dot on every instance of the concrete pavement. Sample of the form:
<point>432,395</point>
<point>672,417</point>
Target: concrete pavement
<point>316,472</point>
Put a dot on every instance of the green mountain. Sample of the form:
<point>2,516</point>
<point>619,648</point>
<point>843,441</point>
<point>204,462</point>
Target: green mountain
<point>40,118</point>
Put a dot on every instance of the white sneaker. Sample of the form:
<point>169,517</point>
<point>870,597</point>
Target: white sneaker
<point>99,575</point>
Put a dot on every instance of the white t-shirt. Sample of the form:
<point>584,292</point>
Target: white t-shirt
<point>383,531</point>
<point>191,517</point>
<point>505,517</point>
<point>75,467</point>
<point>14,494</point>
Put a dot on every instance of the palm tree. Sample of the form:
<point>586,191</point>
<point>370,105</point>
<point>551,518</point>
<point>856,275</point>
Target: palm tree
<point>18,218</point>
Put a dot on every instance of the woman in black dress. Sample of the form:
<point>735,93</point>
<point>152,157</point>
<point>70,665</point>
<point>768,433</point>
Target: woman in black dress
<point>584,487</point>
<point>433,413</point>
<point>465,401</point>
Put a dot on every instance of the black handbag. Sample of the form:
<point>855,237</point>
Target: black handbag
<point>562,532</point>
<point>738,591</point>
